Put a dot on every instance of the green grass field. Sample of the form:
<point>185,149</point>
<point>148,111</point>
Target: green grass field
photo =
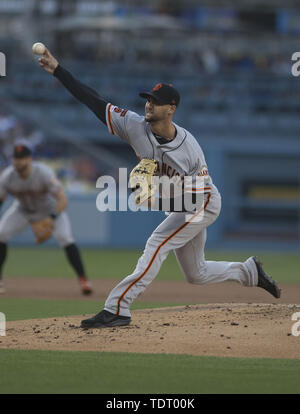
<point>115,264</point>
<point>119,373</point>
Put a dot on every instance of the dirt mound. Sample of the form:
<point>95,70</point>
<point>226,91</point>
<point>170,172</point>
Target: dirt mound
<point>240,330</point>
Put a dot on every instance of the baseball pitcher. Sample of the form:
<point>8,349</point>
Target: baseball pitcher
<point>40,202</point>
<point>164,149</point>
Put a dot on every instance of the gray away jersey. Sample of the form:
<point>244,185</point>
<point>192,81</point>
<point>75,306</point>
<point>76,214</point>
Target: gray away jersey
<point>181,157</point>
<point>35,194</point>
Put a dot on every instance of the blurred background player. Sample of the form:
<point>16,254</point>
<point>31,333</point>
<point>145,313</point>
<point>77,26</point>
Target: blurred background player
<point>38,195</point>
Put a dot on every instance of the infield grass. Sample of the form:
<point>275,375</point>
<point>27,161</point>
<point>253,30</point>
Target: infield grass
<point>120,373</point>
<point>116,264</point>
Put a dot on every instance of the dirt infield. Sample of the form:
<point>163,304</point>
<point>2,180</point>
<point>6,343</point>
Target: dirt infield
<point>231,321</point>
<point>239,330</point>
<point>159,291</point>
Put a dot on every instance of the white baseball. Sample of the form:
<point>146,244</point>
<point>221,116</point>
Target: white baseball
<point>38,48</point>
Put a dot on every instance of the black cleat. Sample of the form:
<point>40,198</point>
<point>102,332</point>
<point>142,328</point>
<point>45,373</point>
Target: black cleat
<point>265,282</point>
<point>105,319</point>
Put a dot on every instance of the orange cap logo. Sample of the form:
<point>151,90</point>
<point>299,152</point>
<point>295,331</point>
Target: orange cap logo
<point>157,87</point>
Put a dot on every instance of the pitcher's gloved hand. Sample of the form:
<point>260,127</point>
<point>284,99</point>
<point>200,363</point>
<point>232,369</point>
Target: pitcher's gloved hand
<point>141,180</point>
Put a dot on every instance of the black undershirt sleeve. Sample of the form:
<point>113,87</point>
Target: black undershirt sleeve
<point>83,93</point>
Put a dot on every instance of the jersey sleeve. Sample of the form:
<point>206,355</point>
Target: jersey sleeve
<point>123,123</point>
<point>51,182</point>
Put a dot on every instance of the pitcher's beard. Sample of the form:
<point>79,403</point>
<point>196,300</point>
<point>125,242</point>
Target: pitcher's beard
<point>151,118</point>
<point>148,118</point>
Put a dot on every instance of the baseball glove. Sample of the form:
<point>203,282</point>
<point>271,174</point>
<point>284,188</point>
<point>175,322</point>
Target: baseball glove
<point>141,179</point>
<point>43,229</point>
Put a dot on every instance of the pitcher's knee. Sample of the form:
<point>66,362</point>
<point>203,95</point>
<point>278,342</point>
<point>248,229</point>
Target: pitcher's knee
<point>197,278</point>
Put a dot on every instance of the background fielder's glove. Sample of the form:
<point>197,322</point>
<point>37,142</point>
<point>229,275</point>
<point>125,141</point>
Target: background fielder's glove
<point>141,179</point>
<point>43,229</point>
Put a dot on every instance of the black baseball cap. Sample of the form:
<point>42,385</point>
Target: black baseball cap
<point>164,93</point>
<point>22,151</point>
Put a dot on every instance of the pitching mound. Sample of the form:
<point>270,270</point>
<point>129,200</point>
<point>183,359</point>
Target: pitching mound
<point>240,330</point>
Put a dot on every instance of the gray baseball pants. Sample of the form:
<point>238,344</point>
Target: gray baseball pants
<point>186,236</point>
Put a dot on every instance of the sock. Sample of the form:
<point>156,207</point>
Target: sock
<point>3,251</point>
<point>74,259</point>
